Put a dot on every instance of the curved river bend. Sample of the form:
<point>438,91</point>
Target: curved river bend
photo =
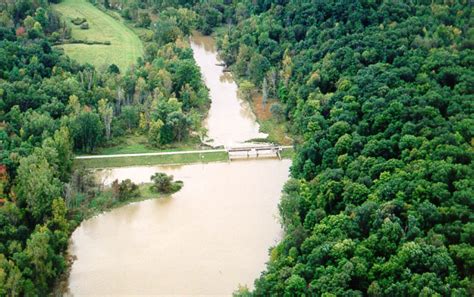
<point>206,239</point>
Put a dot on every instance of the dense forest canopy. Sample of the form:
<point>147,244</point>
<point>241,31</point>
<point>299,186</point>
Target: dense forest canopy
<point>381,92</point>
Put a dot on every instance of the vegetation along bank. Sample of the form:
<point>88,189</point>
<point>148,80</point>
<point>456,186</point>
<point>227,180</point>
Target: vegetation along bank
<point>378,95</point>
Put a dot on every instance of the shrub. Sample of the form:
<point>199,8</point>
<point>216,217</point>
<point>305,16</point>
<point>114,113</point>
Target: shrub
<point>78,21</point>
<point>124,190</point>
<point>163,183</point>
<point>278,112</point>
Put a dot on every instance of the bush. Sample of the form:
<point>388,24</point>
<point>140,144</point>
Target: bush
<point>113,69</point>
<point>85,26</point>
<point>124,190</point>
<point>163,183</point>
<point>78,21</point>
<point>278,112</point>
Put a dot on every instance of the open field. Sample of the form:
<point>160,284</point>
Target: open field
<point>153,160</point>
<point>125,46</point>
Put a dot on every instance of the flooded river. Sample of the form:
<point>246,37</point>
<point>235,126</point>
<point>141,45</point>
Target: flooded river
<point>207,239</point>
<point>204,240</point>
<point>230,120</point>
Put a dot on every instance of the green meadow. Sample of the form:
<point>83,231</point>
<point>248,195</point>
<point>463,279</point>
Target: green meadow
<point>125,45</point>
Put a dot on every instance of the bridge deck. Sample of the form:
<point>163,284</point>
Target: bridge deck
<point>254,151</point>
<point>253,148</point>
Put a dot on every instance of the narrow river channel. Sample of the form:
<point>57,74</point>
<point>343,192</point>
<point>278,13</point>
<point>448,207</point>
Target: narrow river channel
<point>206,239</point>
<point>230,120</point>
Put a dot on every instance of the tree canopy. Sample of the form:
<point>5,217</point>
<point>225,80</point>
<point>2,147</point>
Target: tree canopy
<point>379,94</point>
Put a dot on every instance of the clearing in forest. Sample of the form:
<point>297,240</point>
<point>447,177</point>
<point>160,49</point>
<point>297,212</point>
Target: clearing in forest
<point>125,45</point>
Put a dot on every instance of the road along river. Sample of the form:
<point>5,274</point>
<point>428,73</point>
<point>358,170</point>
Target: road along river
<point>206,239</point>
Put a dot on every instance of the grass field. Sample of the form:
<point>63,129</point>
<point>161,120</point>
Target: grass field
<point>153,160</point>
<point>125,46</point>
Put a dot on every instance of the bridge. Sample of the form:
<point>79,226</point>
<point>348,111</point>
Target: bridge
<point>249,151</point>
<point>255,151</point>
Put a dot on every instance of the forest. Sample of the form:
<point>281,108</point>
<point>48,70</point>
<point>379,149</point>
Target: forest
<point>51,108</point>
<point>378,95</point>
<point>381,93</point>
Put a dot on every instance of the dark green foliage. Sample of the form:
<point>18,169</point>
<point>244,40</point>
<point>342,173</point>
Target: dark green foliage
<point>79,21</point>
<point>114,69</point>
<point>124,190</point>
<point>381,93</point>
<point>163,183</point>
<point>87,131</point>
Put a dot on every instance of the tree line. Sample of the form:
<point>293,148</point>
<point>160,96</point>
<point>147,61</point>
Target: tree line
<point>52,107</point>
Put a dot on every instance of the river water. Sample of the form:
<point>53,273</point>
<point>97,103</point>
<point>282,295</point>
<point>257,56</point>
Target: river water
<point>230,120</point>
<point>204,240</point>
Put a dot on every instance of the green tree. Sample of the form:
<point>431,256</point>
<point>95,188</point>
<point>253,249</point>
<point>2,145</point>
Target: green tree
<point>87,131</point>
<point>63,159</point>
<point>162,183</point>
<point>39,254</point>
<point>246,90</point>
<point>106,113</point>
<point>154,133</point>
<point>36,186</point>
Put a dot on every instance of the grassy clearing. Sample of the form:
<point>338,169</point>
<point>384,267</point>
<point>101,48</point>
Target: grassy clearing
<point>125,46</point>
<point>276,131</point>
<point>153,160</point>
<point>138,143</point>
<point>127,144</point>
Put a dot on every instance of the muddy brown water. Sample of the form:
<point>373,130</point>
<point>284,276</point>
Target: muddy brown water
<point>230,120</point>
<point>205,240</point>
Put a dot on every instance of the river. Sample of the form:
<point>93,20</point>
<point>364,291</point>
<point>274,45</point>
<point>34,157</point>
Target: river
<point>230,120</point>
<point>206,239</point>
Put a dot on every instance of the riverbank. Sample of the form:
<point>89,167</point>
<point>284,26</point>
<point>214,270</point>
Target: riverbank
<point>104,201</point>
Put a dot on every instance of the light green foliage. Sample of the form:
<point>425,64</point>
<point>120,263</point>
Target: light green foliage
<point>246,90</point>
<point>62,158</point>
<point>125,47</point>
<point>36,186</point>
<point>154,133</point>
<point>39,254</point>
<point>106,113</point>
